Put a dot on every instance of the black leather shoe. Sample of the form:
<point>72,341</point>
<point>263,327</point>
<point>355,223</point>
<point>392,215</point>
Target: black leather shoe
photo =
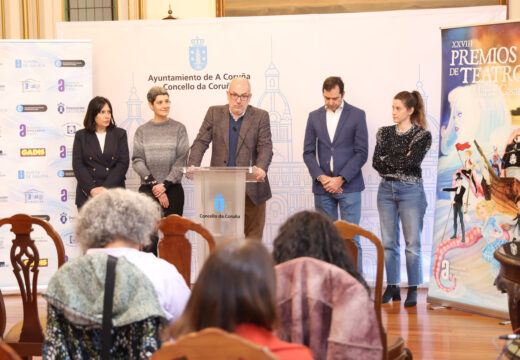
<point>393,293</point>
<point>411,297</point>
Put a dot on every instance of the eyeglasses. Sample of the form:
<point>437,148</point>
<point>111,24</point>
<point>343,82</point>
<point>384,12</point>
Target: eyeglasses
<point>242,97</point>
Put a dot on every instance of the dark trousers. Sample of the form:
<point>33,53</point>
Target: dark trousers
<point>175,194</point>
<point>457,211</point>
<point>254,221</point>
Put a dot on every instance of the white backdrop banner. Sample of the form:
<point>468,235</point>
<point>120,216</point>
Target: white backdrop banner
<point>44,89</point>
<point>287,58</point>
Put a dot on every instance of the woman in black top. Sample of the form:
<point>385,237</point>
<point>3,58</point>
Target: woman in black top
<point>400,150</point>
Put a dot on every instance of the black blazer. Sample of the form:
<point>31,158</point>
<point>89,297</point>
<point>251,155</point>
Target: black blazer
<point>94,168</point>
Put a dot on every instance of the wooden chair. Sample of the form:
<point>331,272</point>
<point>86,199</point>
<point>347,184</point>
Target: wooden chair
<point>212,343</point>
<point>394,348</point>
<point>26,337</point>
<point>175,248</point>
<point>7,352</point>
<point>3,316</point>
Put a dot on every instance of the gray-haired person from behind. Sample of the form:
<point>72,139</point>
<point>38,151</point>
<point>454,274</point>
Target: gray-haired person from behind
<point>118,217</point>
<point>118,223</point>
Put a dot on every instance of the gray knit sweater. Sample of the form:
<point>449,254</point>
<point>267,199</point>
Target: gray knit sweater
<point>160,147</point>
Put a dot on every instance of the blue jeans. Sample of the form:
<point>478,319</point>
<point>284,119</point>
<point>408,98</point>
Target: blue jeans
<point>349,208</point>
<point>405,201</point>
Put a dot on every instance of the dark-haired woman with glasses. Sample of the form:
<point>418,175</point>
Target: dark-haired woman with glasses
<point>100,156</point>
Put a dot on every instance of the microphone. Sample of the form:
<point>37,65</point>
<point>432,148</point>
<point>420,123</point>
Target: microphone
<point>510,337</point>
<point>235,129</point>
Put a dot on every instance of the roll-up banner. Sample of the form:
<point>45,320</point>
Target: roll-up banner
<point>45,87</point>
<point>478,198</point>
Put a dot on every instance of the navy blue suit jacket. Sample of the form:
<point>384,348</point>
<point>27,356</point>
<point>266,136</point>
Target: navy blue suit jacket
<point>349,148</point>
<point>94,168</point>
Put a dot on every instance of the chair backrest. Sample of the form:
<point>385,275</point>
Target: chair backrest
<point>25,260</point>
<point>3,316</point>
<point>348,231</point>
<point>212,343</point>
<point>175,248</point>
<point>352,250</point>
<point>7,353</point>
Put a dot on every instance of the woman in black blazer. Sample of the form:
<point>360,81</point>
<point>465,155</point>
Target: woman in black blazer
<point>100,152</point>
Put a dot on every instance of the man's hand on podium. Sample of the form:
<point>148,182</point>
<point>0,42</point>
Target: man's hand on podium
<point>189,172</point>
<point>260,173</point>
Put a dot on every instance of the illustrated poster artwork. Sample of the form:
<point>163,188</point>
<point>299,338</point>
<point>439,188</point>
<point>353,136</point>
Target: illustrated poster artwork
<point>478,186</point>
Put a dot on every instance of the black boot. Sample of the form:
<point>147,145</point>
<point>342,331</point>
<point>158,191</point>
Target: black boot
<point>392,292</point>
<point>411,297</point>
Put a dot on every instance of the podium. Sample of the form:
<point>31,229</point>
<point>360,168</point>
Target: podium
<point>219,194</point>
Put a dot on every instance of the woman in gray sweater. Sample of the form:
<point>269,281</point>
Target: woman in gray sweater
<point>160,148</point>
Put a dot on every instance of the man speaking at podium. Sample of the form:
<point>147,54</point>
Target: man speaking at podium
<point>241,136</point>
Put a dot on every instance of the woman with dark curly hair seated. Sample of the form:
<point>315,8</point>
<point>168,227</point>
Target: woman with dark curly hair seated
<point>236,292</point>
<point>323,302</point>
<point>312,234</point>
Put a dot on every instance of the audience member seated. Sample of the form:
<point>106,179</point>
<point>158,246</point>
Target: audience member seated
<point>235,291</point>
<point>324,304</point>
<point>148,291</point>
<point>310,233</point>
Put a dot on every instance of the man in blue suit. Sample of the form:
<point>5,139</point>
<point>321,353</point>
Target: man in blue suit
<point>335,149</point>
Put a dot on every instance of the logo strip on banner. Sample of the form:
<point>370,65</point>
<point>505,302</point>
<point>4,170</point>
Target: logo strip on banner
<point>45,87</point>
